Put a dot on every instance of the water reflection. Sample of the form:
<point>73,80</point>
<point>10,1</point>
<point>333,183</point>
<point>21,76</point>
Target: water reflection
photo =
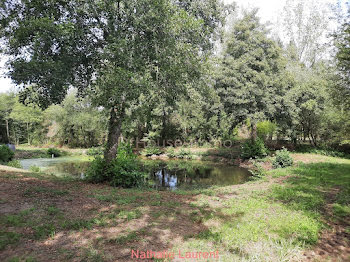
<point>175,174</point>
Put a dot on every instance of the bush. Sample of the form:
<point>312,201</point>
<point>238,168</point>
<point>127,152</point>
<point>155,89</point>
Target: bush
<point>14,163</point>
<point>151,150</point>
<point>95,151</point>
<point>254,149</point>
<point>34,169</point>
<point>97,170</point>
<point>124,170</point>
<point>184,154</point>
<point>6,154</point>
<point>170,151</point>
<point>283,159</point>
<point>54,151</point>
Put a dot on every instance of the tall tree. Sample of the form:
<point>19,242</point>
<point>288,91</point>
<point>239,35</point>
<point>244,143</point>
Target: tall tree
<point>7,102</point>
<point>305,25</point>
<point>342,40</point>
<point>27,115</point>
<point>248,78</point>
<point>113,50</point>
<point>76,122</point>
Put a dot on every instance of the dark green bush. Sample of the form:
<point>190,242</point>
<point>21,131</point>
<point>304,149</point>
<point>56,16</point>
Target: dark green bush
<point>254,149</point>
<point>282,159</point>
<point>6,154</point>
<point>124,170</point>
<point>97,170</point>
<point>54,151</point>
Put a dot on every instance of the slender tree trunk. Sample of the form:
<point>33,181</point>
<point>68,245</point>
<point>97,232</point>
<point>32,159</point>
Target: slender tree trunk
<point>28,133</point>
<point>7,131</point>
<point>114,132</point>
<point>253,131</point>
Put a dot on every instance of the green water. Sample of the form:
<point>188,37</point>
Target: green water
<point>171,174</point>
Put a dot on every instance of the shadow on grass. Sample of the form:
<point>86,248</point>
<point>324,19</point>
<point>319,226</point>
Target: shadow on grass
<point>89,222</point>
<point>311,186</point>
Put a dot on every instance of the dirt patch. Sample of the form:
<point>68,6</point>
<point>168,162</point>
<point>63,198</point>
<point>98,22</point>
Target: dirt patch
<point>12,169</point>
<point>90,221</point>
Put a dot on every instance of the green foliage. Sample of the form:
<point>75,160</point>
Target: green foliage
<point>257,171</point>
<point>28,117</point>
<point>46,230</point>
<point>54,151</point>
<point>146,53</point>
<point>184,154</point>
<point>325,151</point>
<point>122,171</point>
<point>34,169</point>
<point>95,151</point>
<point>265,129</point>
<point>254,149</point>
<point>170,151</point>
<point>250,75</point>
<point>283,159</point>
<point>97,170</point>
<point>6,154</point>
<point>8,238</point>
<point>341,210</point>
<point>150,150</point>
<point>15,163</point>
<point>76,122</point>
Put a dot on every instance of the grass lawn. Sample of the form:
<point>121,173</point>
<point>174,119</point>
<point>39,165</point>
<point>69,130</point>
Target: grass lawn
<point>301,213</point>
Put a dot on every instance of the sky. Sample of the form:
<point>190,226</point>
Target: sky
<point>269,10</point>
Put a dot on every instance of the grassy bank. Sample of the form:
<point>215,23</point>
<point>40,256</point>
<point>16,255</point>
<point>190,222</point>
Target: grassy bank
<point>296,214</point>
<point>26,152</point>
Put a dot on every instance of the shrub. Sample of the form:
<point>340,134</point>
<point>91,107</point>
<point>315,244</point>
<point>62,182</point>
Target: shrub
<point>184,154</point>
<point>151,150</point>
<point>97,170</point>
<point>34,168</point>
<point>124,170</point>
<point>257,171</point>
<point>170,151</point>
<point>6,154</point>
<point>95,151</point>
<point>254,149</point>
<point>14,163</point>
<point>54,151</point>
<point>282,159</point>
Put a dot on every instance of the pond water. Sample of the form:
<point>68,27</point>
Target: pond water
<point>61,166</point>
<point>171,174</point>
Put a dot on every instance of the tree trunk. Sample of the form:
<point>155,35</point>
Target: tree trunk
<point>28,133</point>
<point>253,131</point>
<point>7,131</point>
<point>114,132</point>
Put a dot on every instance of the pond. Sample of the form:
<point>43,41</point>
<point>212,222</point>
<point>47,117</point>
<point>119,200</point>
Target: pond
<point>60,166</point>
<point>170,174</point>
